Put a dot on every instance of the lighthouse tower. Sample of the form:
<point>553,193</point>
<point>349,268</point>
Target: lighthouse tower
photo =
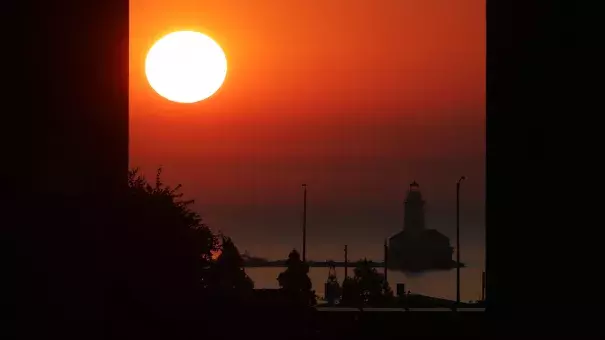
<point>413,219</point>
<point>417,248</point>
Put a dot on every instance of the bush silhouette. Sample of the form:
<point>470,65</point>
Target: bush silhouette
<point>229,279</point>
<point>367,287</point>
<point>351,296</point>
<point>295,281</point>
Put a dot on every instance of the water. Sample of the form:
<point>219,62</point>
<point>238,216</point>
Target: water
<point>441,284</point>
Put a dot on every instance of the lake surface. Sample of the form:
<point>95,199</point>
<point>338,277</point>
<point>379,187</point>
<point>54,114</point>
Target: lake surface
<point>441,284</point>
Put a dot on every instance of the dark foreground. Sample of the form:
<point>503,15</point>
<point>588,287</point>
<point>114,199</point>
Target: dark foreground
<point>371,323</point>
<point>269,320</point>
<point>309,323</point>
<point>266,322</point>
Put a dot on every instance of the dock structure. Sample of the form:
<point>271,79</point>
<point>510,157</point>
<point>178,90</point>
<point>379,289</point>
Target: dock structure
<point>320,264</point>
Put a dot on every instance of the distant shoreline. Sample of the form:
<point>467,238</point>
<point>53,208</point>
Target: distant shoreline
<point>340,264</point>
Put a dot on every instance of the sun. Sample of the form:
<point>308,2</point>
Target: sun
<point>186,67</point>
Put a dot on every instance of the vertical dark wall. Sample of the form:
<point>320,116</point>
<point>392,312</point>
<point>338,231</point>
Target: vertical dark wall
<point>82,51</point>
<point>526,46</point>
<point>501,74</point>
<point>66,147</point>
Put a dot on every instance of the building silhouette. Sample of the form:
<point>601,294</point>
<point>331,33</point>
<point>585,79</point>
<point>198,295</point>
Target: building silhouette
<point>416,248</point>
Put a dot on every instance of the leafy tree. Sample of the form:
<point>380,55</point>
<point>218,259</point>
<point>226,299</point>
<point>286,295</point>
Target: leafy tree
<point>350,293</point>
<point>295,280</point>
<point>367,286</point>
<point>164,206</point>
<point>229,276</point>
<point>173,246</point>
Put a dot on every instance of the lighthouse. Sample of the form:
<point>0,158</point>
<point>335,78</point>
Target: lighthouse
<point>416,248</point>
<point>413,218</point>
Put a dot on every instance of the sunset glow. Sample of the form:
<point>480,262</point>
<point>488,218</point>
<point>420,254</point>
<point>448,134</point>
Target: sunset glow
<point>357,99</point>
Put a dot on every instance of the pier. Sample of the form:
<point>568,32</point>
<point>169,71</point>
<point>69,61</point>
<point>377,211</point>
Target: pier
<point>319,264</point>
<point>316,264</point>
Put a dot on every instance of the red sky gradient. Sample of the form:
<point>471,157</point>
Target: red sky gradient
<point>355,98</point>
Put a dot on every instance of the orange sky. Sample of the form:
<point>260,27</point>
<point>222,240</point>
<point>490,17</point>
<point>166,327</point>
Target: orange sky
<point>355,98</point>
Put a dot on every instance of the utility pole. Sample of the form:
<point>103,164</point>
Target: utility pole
<point>346,261</point>
<point>482,286</point>
<point>458,240</point>
<point>386,260</point>
<point>304,245</point>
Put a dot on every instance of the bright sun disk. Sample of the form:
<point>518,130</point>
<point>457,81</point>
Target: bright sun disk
<point>186,67</point>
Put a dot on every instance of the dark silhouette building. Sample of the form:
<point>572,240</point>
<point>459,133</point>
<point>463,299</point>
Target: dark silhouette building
<point>416,248</point>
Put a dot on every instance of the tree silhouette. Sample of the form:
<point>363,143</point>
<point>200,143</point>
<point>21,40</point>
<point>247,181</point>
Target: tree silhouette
<point>351,295</point>
<point>295,281</point>
<point>165,206</point>
<point>229,276</point>
<point>173,246</point>
<point>367,287</point>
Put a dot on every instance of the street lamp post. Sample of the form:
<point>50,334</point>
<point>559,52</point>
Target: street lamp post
<point>458,239</point>
<point>304,245</point>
